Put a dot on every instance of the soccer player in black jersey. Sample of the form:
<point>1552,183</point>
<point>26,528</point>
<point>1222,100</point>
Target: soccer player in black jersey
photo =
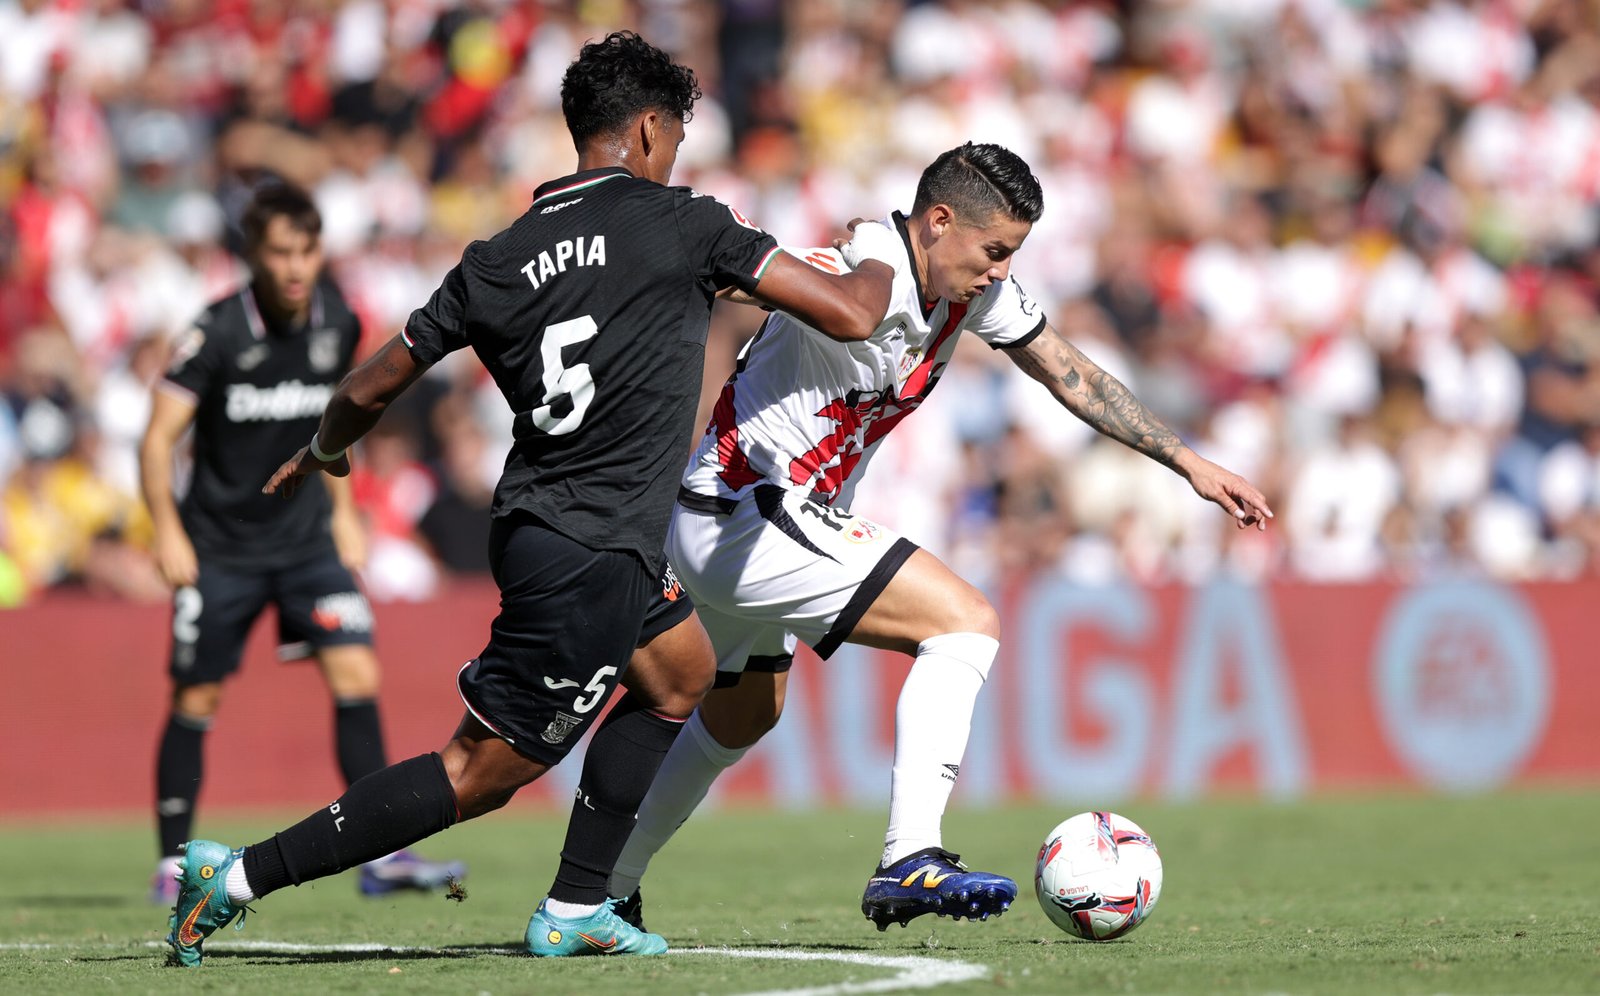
<point>252,377</point>
<point>591,313</point>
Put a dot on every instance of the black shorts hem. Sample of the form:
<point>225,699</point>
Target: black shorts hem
<point>676,612</point>
<point>531,747</point>
<point>882,572</point>
<point>759,664</point>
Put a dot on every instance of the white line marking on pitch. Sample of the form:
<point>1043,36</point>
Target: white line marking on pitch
<point>913,972</point>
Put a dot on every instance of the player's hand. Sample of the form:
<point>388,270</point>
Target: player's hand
<point>1237,496</point>
<point>175,558</point>
<point>349,539</point>
<point>286,481</point>
<point>839,244</point>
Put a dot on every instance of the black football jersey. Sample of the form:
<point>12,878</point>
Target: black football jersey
<point>590,312</point>
<point>259,387</point>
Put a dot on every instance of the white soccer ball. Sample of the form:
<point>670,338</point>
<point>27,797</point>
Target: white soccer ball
<point>1098,876</point>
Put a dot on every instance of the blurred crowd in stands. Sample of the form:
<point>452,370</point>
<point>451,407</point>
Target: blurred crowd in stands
<point>1348,249</point>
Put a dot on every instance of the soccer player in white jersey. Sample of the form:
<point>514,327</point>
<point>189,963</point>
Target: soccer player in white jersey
<point>763,540</point>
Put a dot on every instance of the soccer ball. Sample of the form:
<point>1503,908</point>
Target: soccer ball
<point>1098,876</point>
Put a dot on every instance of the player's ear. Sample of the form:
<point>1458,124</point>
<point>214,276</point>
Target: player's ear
<point>650,132</point>
<point>940,218</point>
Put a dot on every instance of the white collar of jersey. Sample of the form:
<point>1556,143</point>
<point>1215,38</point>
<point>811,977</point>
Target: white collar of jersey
<point>258,325</point>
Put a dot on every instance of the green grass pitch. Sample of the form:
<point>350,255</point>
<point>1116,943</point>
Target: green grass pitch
<point>1391,894</point>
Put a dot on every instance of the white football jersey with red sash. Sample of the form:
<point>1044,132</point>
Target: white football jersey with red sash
<point>806,412</point>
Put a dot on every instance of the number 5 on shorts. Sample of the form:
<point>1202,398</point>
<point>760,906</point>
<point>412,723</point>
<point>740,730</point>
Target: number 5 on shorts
<point>596,689</point>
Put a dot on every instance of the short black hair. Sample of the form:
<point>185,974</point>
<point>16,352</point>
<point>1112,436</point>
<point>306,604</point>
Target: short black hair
<point>617,79</point>
<point>279,199</point>
<point>978,180</point>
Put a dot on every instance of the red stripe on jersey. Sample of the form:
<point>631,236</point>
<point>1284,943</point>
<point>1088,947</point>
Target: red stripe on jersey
<point>736,472</point>
<point>848,442</point>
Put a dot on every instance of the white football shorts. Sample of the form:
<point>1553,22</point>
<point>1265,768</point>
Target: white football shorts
<point>777,567</point>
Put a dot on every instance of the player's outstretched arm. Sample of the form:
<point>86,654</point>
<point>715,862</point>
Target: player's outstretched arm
<point>1107,405</point>
<point>847,307</point>
<point>353,410</point>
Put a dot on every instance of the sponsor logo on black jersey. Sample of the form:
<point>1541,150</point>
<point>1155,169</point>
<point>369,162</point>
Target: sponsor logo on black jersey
<point>280,403</point>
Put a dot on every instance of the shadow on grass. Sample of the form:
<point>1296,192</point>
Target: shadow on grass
<point>288,955</point>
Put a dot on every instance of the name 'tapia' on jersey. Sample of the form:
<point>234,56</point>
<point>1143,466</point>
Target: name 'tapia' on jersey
<point>259,387</point>
<point>591,313</point>
<point>806,412</point>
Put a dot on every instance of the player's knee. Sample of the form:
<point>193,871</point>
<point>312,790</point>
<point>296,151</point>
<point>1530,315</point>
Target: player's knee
<point>738,722</point>
<point>197,701</point>
<point>485,774</point>
<point>352,672</point>
<point>970,612</point>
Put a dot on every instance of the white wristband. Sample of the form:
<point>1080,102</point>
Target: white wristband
<point>316,451</point>
<point>875,240</point>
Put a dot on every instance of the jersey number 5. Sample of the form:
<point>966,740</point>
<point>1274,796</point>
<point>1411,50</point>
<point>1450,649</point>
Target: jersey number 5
<point>561,381</point>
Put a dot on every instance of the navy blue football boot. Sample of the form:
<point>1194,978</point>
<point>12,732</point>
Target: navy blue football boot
<point>934,881</point>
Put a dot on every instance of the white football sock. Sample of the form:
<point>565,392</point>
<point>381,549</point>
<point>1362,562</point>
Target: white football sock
<point>693,763</point>
<point>238,886</point>
<point>569,911</point>
<point>932,721</point>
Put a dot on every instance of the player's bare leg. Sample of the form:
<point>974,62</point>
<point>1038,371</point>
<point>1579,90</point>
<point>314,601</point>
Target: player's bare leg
<point>353,676</point>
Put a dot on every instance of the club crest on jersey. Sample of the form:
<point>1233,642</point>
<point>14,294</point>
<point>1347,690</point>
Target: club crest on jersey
<point>322,350</point>
<point>560,728</point>
<point>863,531</point>
<point>253,357</point>
<point>908,363</point>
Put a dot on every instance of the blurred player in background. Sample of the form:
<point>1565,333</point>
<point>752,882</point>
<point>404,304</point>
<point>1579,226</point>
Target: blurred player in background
<point>252,377</point>
<point>591,312</point>
<point>763,540</point>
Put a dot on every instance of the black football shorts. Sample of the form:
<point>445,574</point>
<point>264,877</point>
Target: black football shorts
<point>669,605</point>
<point>569,620</point>
<point>319,605</point>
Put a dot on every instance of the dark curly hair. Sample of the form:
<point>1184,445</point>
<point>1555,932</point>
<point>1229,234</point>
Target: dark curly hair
<point>616,79</point>
<point>978,180</point>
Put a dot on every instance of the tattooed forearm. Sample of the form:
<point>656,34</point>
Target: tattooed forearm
<point>1096,397</point>
<point>1114,411</point>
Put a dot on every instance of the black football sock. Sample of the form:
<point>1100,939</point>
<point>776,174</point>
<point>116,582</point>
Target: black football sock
<point>378,815</point>
<point>623,758</point>
<point>179,765</point>
<point>358,738</point>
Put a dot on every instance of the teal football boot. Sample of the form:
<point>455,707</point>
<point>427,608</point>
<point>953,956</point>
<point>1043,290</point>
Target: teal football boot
<point>600,933</point>
<point>203,906</point>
